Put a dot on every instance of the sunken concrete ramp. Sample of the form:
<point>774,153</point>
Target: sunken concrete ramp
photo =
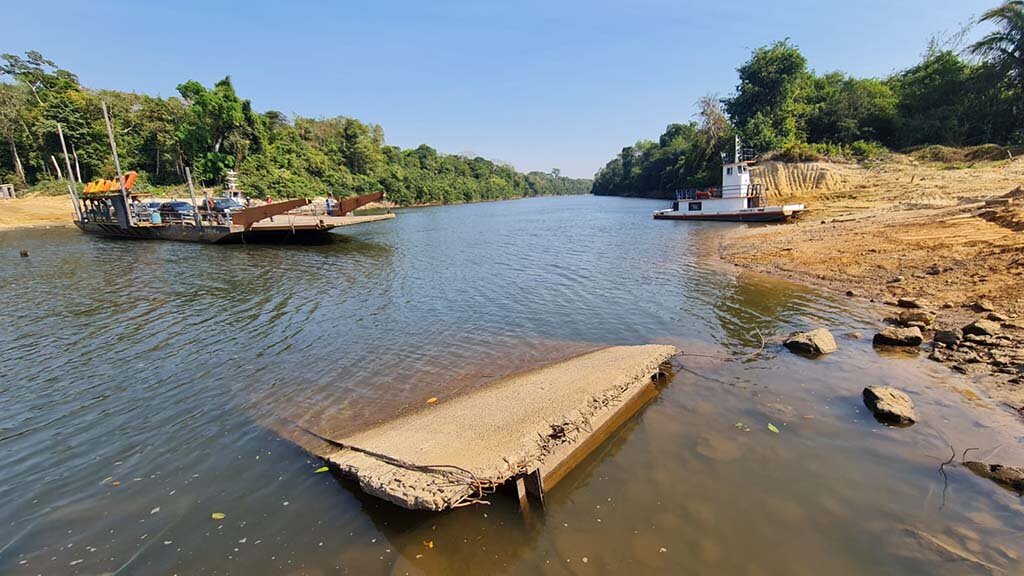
<point>458,450</point>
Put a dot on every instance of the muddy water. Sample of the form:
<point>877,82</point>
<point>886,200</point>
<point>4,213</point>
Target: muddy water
<point>140,384</point>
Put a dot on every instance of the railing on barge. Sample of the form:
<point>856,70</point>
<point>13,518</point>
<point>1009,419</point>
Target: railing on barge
<point>752,190</point>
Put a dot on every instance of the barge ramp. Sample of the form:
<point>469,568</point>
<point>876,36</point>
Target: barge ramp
<point>529,429</point>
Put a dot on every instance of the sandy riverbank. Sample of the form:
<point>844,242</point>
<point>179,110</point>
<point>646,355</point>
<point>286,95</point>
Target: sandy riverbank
<point>950,238</point>
<point>35,211</point>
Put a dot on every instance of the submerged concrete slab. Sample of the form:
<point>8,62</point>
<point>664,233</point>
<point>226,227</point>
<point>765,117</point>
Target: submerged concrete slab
<point>540,421</point>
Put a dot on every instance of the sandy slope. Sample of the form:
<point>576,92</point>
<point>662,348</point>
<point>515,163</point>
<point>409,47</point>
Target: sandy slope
<point>37,211</point>
<point>901,229</point>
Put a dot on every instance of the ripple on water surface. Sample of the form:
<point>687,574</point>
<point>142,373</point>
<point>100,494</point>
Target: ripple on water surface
<point>141,382</point>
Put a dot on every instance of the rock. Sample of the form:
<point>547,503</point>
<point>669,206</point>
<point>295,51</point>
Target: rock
<point>909,303</point>
<point>915,317</point>
<point>1005,476</point>
<point>983,306</point>
<point>24,253</point>
<point>815,342</point>
<point>982,328</point>
<point>896,280</point>
<point>893,336</point>
<point>854,335</point>
<point>996,317</point>
<point>989,341</point>
<point>890,405</point>
<point>948,337</point>
<point>851,294</point>
<point>934,270</point>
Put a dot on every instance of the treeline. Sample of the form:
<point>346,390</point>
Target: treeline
<point>213,130</point>
<point>950,98</point>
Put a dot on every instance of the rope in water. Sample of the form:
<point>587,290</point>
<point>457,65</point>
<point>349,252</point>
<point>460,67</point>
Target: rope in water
<point>728,358</point>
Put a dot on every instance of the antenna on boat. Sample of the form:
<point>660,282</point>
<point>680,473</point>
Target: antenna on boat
<point>71,177</point>
<point>117,164</point>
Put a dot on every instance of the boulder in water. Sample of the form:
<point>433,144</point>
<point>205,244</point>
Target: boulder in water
<point>813,343</point>
<point>890,405</point>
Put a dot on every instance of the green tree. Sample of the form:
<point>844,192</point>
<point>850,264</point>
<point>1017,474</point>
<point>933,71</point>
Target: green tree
<point>766,105</point>
<point>1004,47</point>
<point>218,128</point>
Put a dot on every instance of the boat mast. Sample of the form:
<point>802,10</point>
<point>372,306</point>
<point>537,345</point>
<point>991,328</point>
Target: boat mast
<point>117,164</point>
<point>71,178</point>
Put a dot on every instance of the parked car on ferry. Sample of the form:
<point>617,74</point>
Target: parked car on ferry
<point>176,210</point>
<point>227,205</point>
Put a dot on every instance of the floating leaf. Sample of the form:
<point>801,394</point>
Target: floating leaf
<point>321,470</point>
<point>428,543</point>
<point>432,401</point>
<point>773,428</point>
<point>739,425</point>
<point>218,515</point>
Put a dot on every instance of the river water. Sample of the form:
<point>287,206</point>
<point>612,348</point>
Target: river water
<point>143,386</point>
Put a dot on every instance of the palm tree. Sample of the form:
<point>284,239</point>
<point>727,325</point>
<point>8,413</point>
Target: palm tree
<point>1004,47</point>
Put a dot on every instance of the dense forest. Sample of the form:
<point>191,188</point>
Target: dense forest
<point>212,130</point>
<point>951,98</point>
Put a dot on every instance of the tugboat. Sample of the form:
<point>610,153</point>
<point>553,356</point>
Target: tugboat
<point>736,200</point>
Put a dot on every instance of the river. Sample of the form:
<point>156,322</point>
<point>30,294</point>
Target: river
<point>143,386</point>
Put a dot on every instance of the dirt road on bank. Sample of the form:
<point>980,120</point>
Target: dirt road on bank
<point>950,238</point>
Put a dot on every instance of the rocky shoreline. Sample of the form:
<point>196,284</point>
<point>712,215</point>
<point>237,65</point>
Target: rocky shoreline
<point>944,250</point>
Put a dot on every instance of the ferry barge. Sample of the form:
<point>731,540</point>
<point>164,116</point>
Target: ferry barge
<point>110,214</point>
<point>736,200</point>
<point>111,208</point>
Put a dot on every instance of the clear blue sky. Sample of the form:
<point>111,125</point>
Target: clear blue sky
<point>539,84</point>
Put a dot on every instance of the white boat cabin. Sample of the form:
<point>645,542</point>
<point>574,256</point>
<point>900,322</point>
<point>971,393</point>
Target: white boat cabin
<point>736,199</point>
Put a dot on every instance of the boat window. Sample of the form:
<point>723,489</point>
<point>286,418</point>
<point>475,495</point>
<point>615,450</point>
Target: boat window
<point>728,170</point>
<point>694,207</point>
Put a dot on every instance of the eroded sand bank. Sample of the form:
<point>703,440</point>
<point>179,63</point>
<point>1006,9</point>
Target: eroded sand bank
<point>438,457</point>
<point>902,229</point>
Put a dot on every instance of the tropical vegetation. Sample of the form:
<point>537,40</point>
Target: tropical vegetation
<point>950,98</point>
<point>213,130</point>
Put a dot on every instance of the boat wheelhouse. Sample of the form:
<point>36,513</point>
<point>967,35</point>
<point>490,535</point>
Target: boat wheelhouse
<point>736,200</point>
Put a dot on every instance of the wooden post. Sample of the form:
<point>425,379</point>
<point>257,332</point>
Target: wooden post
<point>71,178</point>
<point>117,163</point>
<point>78,169</point>
<point>56,167</point>
<point>192,192</point>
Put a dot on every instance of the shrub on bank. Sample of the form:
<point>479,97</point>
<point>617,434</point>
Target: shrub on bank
<point>859,151</point>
